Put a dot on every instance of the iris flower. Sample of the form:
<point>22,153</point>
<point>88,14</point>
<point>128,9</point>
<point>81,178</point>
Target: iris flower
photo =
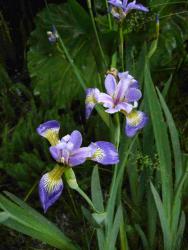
<point>120,9</point>
<point>68,153</point>
<point>52,35</point>
<point>122,95</point>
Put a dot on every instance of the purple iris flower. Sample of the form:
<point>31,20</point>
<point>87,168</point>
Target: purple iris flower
<point>121,8</point>
<point>69,153</point>
<point>121,95</point>
<point>52,35</point>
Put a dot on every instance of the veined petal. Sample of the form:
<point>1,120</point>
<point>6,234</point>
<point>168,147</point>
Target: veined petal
<point>106,100</point>
<point>133,95</point>
<point>79,156</point>
<point>75,140</point>
<point>134,6</point>
<point>50,130</point>
<point>50,187</point>
<point>135,121</point>
<point>125,107</point>
<point>60,153</point>
<point>91,100</point>
<point>117,3</point>
<point>104,153</point>
<point>110,84</point>
<point>121,90</point>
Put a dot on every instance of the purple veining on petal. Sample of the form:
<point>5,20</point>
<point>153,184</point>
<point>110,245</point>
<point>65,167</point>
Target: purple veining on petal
<point>49,190</point>
<point>106,100</point>
<point>121,90</point>
<point>104,153</point>
<point>60,152</point>
<point>134,122</point>
<point>79,156</point>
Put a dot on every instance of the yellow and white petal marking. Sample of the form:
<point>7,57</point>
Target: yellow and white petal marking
<point>99,154</point>
<point>134,118</point>
<point>52,135</point>
<point>90,99</point>
<point>52,180</point>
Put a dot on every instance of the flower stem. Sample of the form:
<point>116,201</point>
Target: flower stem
<point>121,47</point>
<point>108,14</point>
<point>84,195</point>
<point>95,31</point>
<point>71,61</point>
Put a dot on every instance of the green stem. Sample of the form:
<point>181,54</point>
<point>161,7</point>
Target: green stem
<point>84,195</point>
<point>30,191</point>
<point>108,15</point>
<point>71,61</point>
<point>121,47</point>
<point>95,31</point>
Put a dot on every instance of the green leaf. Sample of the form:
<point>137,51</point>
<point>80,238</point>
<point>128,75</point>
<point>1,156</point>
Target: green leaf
<point>161,140</point>
<point>3,217</point>
<point>180,232</point>
<point>28,221</point>
<point>166,87</point>
<point>50,71</point>
<point>174,139</point>
<point>96,191</point>
<point>111,240</point>
<point>163,219</point>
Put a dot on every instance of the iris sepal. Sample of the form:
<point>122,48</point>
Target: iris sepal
<point>51,187</point>
<point>135,121</point>
<point>104,153</point>
<point>50,130</point>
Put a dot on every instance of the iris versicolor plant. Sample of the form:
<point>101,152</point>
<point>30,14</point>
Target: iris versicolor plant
<point>122,95</point>
<point>120,9</point>
<point>68,153</point>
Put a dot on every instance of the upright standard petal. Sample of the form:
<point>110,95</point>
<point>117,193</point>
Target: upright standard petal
<point>110,84</point>
<point>91,100</point>
<point>121,90</point>
<point>60,153</point>
<point>104,153</point>
<point>134,6</point>
<point>79,156</point>
<point>132,82</point>
<point>50,130</point>
<point>50,187</point>
<point>75,140</point>
<point>135,121</point>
